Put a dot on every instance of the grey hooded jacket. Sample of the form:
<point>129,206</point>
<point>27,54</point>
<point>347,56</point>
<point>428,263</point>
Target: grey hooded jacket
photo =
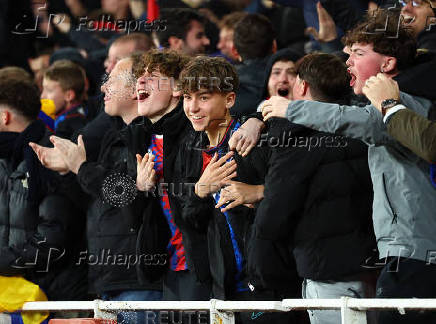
<point>404,207</point>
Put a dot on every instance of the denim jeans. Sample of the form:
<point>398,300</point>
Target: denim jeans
<point>145,317</point>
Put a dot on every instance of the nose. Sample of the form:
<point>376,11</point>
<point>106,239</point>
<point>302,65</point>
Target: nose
<point>283,77</point>
<point>220,44</point>
<point>407,6</point>
<point>192,105</point>
<point>206,41</point>
<point>140,80</point>
<point>109,65</point>
<point>349,62</point>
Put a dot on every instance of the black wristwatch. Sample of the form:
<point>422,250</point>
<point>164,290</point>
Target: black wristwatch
<point>387,104</point>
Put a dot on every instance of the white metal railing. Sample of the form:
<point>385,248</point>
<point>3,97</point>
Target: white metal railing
<point>353,310</point>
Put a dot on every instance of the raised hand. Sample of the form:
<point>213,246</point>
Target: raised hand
<point>50,157</point>
<point>73,154</point>
<point>216,174</point>
<point>276,106</point>
<point>327,27</point>
<point>246,137</point>
<point>146,175</point>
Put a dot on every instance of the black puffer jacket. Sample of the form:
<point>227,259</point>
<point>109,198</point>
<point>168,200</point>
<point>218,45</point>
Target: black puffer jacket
<point>318,198</point>
<point>115,214</point>
<point>40,237</point>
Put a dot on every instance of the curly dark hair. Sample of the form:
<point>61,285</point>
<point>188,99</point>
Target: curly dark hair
<point>21,96</point>
<point>384,31</point>
<point>214,74</point>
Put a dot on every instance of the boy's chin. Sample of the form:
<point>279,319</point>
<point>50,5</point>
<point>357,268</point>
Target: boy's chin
<point>198,128</point>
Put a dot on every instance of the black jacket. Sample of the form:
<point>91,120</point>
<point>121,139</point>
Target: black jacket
<point>317,203</point>
<point>70,121</point>
<point>200,215</point>
<point>417,79</point>
<point>114,218</point>
<point>40,237</point>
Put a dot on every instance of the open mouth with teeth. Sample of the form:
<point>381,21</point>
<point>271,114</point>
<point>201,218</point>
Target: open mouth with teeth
<point>407,20</point>
<point>283,92</point>
<point>142,94</point>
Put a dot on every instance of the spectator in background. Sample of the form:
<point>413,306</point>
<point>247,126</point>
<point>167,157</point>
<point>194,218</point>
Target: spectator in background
<point>41,232</point>
<point>419,16</point>
<point>184,31</point>
<point>64,84</point>
<point>227,28</point>
<point>254,40</point>
<point>280,74</point>
<point>126,45</point>
<point>15,72</point>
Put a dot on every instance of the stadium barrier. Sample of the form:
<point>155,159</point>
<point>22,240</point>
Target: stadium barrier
<point>353,310</point>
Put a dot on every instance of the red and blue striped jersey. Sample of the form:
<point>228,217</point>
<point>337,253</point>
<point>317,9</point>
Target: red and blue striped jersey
<point>176,250</point>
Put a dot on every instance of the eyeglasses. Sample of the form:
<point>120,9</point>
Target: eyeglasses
<point>415,3</point>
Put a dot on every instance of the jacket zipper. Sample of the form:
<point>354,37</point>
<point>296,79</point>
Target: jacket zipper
<point>394,219</point>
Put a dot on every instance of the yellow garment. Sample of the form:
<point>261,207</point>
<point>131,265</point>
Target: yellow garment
<point>48,107</point>
<point>15,291</point>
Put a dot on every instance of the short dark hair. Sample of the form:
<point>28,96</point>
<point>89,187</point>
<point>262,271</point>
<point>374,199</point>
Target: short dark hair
<point>327,77</point>
<point>21,96</point>
<point>177,23</point>
<point>219,75</point>
<point>168,62</point>
<point>253,37</point>
<point>387,36</point>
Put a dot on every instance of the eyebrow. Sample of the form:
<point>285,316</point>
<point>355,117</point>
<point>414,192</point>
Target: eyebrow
<point>202,92</point>
<point>291,68</point>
